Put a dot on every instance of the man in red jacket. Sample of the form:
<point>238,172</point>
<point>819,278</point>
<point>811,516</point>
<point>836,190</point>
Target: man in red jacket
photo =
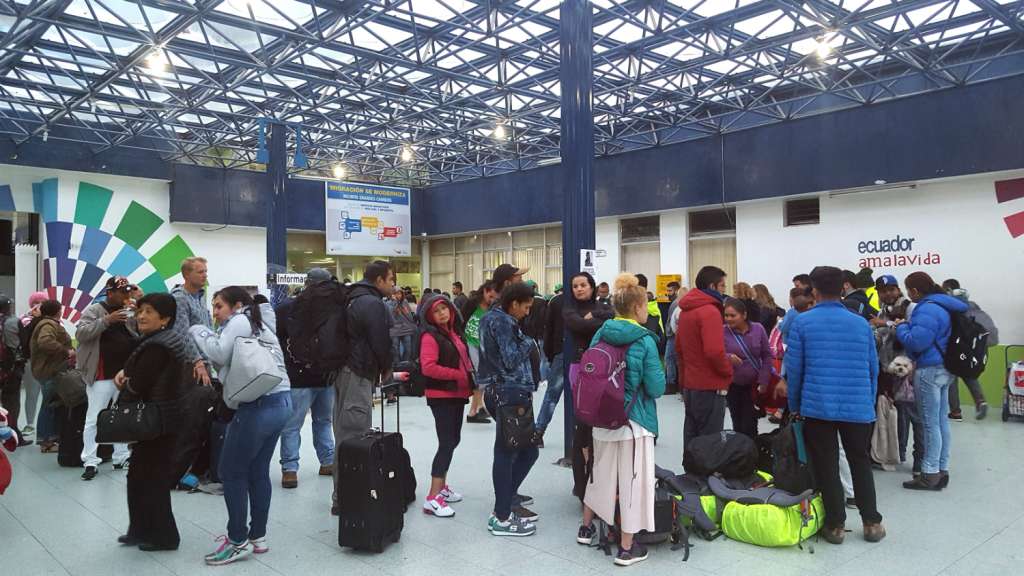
<point>705,371</point>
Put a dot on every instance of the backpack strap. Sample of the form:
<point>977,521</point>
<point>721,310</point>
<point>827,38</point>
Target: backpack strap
<point>746,351</point>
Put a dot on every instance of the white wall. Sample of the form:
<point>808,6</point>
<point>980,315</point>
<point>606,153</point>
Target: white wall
<point>236,255</point>
<point>675,243</point>
<point>958,220</point>
<point>607,239</point>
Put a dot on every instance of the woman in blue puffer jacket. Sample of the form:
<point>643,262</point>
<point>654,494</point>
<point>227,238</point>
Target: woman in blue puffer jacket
<point>925,338</point>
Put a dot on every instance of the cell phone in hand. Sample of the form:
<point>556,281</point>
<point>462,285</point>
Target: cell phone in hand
<point>400,376</point>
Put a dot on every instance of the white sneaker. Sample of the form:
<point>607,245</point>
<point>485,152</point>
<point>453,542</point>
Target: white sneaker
<point>450,496</point>
<point>228,552</point>
<point>438,507</point>
<point>259,545</point>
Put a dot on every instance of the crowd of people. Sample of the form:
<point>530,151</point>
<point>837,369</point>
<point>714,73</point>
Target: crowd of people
<point>846,339</point>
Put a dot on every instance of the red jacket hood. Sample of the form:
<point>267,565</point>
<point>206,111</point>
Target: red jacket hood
<point>697,298</point>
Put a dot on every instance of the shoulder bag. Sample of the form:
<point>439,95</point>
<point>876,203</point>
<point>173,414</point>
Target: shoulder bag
<point>255,370</point>
<point>127,422</point>
<point>514,415</point>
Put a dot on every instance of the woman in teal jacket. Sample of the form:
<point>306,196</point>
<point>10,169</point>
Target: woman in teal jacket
<point>623,470</point>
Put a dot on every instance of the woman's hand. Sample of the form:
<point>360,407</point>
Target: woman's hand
<point>120,380</point>
<point>781,389</point>
<point>200,373</point>
<point>589,316</point>
<point>736,360</point>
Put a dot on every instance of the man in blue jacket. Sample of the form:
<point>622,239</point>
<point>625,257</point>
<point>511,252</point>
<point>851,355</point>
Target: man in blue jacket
<point>832,372</point>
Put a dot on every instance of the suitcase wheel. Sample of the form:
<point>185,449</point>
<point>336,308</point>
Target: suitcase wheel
<point>396,537</point>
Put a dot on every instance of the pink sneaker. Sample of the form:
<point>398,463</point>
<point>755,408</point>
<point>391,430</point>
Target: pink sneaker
<point>438,507</point>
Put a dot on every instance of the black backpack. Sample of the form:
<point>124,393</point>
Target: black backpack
<point>25,337</point>
<point>967,349</point>
<point>317,328</point>
<point>729,453</point>
<point>791,469</point>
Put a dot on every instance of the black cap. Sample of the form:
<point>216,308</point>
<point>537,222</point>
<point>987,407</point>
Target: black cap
<point>506,272</point>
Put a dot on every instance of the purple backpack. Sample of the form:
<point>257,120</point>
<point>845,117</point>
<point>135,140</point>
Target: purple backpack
<point>599,392</point>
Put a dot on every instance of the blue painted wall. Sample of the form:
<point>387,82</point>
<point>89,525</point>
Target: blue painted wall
<point>955,132</point>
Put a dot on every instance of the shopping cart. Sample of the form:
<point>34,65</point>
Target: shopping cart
<point>1013,396</point>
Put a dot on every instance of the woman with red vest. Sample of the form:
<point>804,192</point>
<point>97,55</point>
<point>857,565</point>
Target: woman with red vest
<point>448,379</point>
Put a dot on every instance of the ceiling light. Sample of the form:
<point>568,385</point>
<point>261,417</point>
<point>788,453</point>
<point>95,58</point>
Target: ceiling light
<point>46,135</point>
<point>156,61</point>
<point>338,171</point>
<point>822,49</point>
<point>407,153</point>
<point>499,131</point>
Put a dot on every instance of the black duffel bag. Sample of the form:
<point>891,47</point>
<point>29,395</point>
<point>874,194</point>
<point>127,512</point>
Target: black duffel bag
<point>728,453</point>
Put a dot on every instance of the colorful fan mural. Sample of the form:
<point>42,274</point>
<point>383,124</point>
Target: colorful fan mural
<point>96,244</point>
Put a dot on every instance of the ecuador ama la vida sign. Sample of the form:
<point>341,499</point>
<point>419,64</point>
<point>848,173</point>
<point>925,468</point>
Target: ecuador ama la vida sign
<point>895,252</point>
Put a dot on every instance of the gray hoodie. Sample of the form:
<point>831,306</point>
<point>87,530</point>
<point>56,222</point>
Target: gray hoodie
<point>88,332</point>
<point>192,311</point>
<point>978,315</point>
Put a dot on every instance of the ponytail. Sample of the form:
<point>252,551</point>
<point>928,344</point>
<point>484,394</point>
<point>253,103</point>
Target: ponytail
<point>923,283</point>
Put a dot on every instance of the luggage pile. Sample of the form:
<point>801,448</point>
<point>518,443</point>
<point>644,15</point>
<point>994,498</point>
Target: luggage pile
<point>724,493</point>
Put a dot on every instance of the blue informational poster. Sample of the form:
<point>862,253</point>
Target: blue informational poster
<point>367,220</point>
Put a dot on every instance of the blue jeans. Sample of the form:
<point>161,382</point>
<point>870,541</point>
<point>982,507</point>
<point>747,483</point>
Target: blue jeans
<point>510,467</point>
<point>671,368</point>
<point>321,402</point>
<point>401,349</point>
<point>931,390</point>
<point>556,381</point>
<point>245,463</point>
<point>46,425</point>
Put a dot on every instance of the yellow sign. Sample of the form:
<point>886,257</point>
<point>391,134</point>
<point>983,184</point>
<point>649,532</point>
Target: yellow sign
<point>370,222</point>
<point>662,284</point>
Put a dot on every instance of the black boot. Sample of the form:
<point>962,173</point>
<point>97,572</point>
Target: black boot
<point>924,482</point>
<point>943,479</point>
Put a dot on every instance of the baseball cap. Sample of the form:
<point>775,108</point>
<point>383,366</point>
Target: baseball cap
<point>506,272</point>
<point>316,276</point>
<point>888,280</point>
<point>119,283</point>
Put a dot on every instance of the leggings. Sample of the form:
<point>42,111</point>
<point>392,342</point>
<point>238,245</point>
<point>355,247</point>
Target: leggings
<point>448,423</point>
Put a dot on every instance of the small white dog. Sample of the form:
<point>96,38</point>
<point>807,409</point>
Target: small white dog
<point>901,366</point>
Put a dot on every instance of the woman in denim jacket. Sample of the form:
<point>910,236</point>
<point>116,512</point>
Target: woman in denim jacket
<point>506,376</point>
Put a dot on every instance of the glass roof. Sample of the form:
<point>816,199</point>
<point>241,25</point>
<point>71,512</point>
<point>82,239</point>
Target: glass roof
<point>368,78</point>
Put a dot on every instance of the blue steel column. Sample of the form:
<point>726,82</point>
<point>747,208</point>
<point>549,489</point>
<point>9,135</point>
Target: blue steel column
<point>277,212</point>
<point>577,151</point>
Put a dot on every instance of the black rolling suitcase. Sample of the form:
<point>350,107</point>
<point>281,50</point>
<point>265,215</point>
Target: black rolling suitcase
<point>371,490</point>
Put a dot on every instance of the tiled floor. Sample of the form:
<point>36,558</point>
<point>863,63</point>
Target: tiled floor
<point>53,523</point>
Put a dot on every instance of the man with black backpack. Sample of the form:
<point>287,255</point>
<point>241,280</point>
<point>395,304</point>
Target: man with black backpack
<point>297,318</point>
<point>369,356</point>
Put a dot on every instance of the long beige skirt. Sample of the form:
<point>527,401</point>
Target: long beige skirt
<point>618,471</point>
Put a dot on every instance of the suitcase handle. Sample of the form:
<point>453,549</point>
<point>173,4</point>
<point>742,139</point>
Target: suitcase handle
<point>398,405</point>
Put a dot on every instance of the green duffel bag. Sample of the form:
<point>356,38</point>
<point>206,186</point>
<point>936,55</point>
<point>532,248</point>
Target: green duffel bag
<point>767,516</point>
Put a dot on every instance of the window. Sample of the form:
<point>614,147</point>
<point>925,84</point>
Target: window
<point>803,211</point>
<point>472,259</point>
<point>713,221</point>
<point>646,229</point>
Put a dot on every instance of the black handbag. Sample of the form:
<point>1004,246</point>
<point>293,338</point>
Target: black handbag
<point>129,422</point>
<point>514,415</point>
